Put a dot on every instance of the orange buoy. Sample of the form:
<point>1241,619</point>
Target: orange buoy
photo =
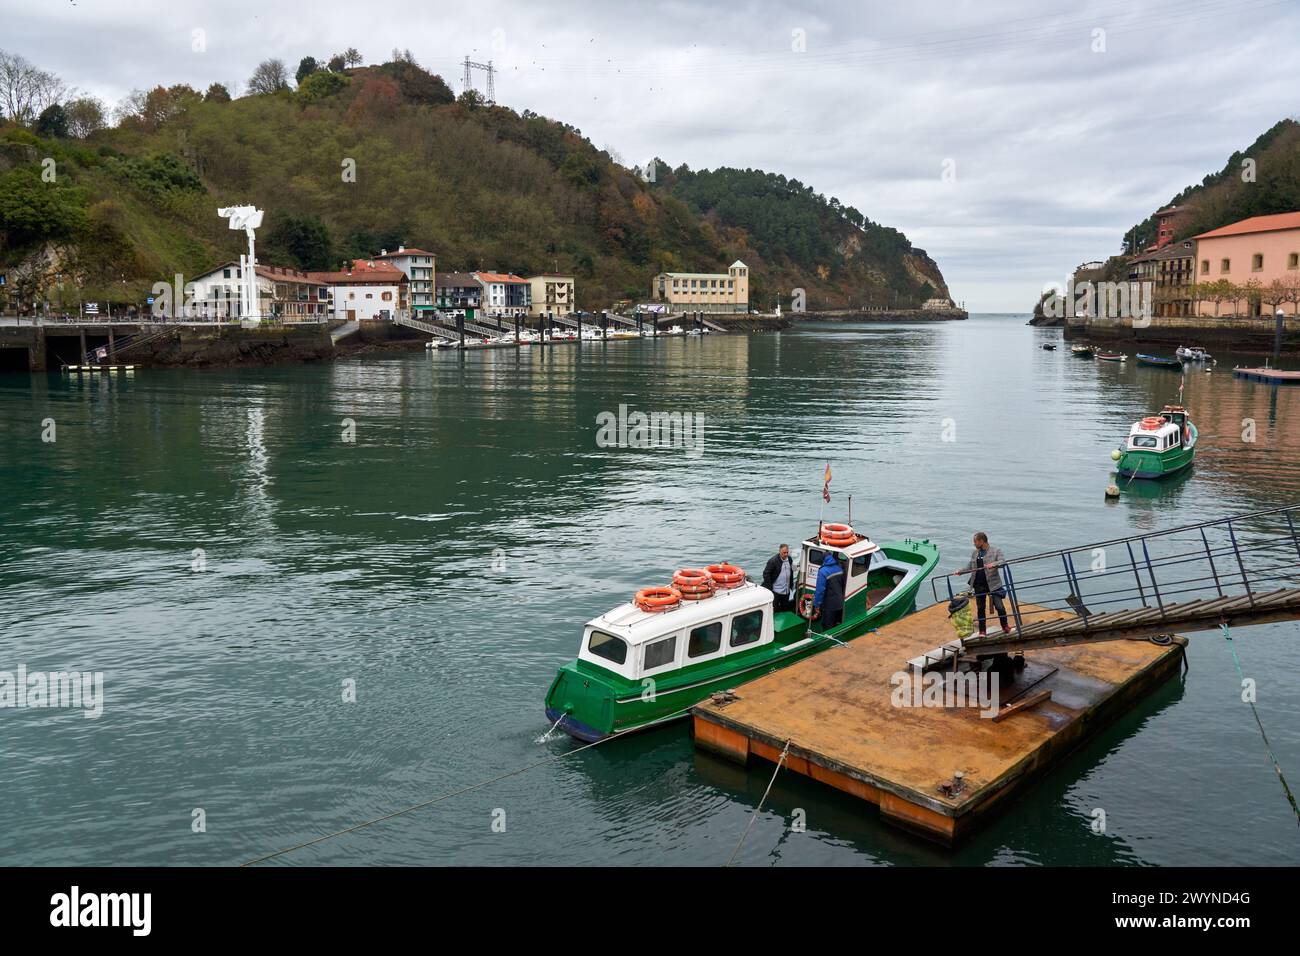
<point>837,535</point>
<point>657,599</point>
<point>1152,423</point>
<point>693,583</point>
<point>725,575</point>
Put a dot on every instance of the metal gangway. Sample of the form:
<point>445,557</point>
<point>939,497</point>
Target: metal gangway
<point>1240,570</point>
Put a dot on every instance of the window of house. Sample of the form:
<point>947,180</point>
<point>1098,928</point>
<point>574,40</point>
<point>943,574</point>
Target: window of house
<point>607,646</point>
<point>1257,262</point>
<point>1225,265</point>
<point>387,297</point>
<point>705,639</point>
<point>1205,266</point>
<point>660,653</point>
<point>1293,261</point>
<point>746,628</point>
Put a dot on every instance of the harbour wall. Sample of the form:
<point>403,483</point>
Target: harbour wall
<point>1222,334</point>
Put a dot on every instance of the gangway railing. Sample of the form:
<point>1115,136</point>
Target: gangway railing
<point>125,344</point>
<point>1244,569</point>
<point>431,328</point>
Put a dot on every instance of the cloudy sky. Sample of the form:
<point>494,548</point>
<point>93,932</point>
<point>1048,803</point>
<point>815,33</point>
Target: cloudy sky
<point>1059,122</point>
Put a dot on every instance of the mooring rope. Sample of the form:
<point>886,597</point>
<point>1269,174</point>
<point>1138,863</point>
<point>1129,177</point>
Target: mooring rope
<point>437,799</point>
<point>1277,767</point>
<point>758,809</point>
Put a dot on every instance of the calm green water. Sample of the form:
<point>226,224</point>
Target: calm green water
<point>446,560</point>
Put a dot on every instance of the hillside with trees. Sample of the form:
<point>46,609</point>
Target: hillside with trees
<point>1261,180</point>
<point>99,203</point>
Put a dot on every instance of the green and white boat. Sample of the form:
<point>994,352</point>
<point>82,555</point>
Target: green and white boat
<point>638,668</point>
<point>1158,446</point>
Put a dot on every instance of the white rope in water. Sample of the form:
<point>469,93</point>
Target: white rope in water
<point>758,809</point>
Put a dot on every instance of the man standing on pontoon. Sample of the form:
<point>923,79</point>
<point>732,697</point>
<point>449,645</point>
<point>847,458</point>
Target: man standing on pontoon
<point>778,577</point>
<point>985,579</point>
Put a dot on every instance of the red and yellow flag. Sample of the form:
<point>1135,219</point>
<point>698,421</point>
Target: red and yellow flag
<point>826,484</point>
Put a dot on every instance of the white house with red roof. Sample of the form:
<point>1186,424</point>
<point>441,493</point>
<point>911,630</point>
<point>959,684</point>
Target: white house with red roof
<point>366,291</point>
<point>504,293</point>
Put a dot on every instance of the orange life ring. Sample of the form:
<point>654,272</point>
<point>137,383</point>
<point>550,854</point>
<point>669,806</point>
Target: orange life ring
<point>692,578</point>
<point>726,575</point>
<point>657,599</point>
<point>837,535</point>
<point>805,605</point>
<point>1152,423</point>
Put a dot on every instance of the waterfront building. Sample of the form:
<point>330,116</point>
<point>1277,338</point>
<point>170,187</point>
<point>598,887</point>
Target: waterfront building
<point>458,292</point>
<point>504,293</point>
<point>282,293</point>
<point>1260,257</point>
<point>704,291</point>
<point>1171,273</point>
<point>419,267</point>
<point>367,290</point>
<point>551,292</point>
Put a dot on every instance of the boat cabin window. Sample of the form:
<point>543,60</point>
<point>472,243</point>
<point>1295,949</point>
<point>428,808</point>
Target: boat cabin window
<point>607,646</point>
<point>660,653</point>
<point>1143,441</point>
<point>816,556</point>
<point>746,628</point>
<point>705,639</point>
<point>861,564</point>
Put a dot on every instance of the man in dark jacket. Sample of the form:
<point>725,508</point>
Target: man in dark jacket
<point>778,577</point>
<point>828,601</point>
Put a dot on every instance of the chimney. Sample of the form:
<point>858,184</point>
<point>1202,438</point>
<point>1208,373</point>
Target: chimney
<point>383,252</point>
<point>401,248</point>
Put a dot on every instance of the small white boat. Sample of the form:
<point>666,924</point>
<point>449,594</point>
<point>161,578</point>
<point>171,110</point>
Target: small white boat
<point>1193,353</point>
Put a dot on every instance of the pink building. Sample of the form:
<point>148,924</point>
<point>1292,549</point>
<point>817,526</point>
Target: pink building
<point>1261,249</point>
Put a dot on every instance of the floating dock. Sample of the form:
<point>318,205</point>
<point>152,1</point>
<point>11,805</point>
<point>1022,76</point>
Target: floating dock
<point>99,368</point>
<point>837,714</point>
<point>1274,376</point>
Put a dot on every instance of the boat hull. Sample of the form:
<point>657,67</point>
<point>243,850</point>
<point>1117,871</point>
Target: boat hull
<point>591,704</point>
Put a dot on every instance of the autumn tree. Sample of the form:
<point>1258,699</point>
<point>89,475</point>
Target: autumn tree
<point>217,93</point>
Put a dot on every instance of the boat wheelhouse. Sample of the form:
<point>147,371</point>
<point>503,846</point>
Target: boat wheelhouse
<point>649,660</point>
<point>1193,353</point>
<point>1158,445</point>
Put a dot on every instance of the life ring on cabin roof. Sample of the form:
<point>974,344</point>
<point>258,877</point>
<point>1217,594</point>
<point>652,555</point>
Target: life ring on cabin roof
<point>1152,423</point>
<point>837,535</point>
<point>657,599</point>
<point>726,575</point>
<point>693,583</point>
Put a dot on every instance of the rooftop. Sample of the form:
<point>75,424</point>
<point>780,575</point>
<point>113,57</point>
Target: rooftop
<point>1282,220</point>
<point>402,251</point>
<point>637,626</point>
<point>363,270</point>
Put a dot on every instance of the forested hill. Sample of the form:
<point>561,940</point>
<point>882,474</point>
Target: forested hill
<point>1259,181</point>
<point>796,233</point>
<point>355,159</point>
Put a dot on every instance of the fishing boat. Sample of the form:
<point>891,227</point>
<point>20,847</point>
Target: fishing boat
<point>1193,353</point>
<point>1159,361</point>
<point>1158,446</point>
<point>1111,357</point>
<point>1049,347</point>
<point>650,659</point>
<point>1081,351</point>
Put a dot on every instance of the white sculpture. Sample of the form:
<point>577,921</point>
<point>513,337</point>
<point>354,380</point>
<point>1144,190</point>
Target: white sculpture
<point>247,218</point>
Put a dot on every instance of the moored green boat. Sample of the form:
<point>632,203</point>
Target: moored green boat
<point>1159,445</point>
<point>637,668</point>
